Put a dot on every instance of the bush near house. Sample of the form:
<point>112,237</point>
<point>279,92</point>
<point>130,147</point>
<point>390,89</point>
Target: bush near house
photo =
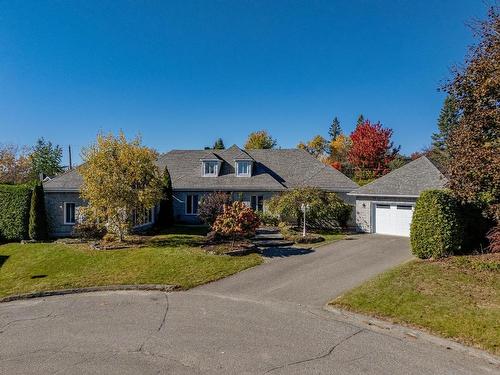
<point>14,212</point>
<point>436,230</point>
<point>212,205</point>
<point>236,220</point>
<point>38,229</point>
<point>268,219</point>
<point>326,210</point>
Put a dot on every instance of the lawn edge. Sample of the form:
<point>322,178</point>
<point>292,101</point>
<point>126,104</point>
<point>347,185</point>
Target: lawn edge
<point>90,289</point>
<point>405,332</point>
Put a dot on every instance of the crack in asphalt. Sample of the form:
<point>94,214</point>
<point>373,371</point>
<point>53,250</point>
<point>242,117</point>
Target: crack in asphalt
<point>2,328</point>
<point>315,358</point>
<point>165,314</point>
<point>162,324</point>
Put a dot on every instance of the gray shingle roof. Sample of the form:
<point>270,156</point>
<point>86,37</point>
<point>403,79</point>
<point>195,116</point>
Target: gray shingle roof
<point>274,170</point>
<point>409,180</point>
<point>70,180</point>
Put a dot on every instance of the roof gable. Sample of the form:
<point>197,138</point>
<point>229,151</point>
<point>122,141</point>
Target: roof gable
<point>409,180</point>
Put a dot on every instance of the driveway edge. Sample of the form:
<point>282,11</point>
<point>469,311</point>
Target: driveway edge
<point>400,331</point>
<point>104,288</point>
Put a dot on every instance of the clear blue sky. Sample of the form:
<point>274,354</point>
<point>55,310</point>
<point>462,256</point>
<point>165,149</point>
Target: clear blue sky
<point>183,73</point>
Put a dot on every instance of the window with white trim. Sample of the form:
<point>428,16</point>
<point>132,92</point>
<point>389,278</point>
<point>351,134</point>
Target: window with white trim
<point>210,168</point>
<point>142,216</point>
<point>257,203</point>
<point>192,204</point>
<point>69,213</point>
<point>243,168</point>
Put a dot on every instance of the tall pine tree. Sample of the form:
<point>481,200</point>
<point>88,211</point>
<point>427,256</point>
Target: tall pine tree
<point>335,129</point>
<point>361,120</point>
<point>166,212</point>
<point>219,144</point>
<point>38,218</point>
<point>447,121</point>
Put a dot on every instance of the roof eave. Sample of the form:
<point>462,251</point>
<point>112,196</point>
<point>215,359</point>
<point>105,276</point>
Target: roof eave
<point>353,193</point>
<point>61,190</point>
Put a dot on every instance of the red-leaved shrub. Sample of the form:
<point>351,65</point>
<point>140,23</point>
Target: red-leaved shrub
<point>236,220</point>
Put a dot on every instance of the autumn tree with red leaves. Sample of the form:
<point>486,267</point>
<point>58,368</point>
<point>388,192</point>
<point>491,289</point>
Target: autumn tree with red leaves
<point>371,149</point>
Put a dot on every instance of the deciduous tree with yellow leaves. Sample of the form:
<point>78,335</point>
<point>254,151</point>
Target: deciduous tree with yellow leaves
<point>119,177</point>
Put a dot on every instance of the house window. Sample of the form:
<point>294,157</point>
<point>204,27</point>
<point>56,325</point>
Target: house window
<point>69,213</point>
<point>257,203</point>
<point>210,168</point>
<point>142,217</point>
<point>243,168</point>
<point>192,204</point>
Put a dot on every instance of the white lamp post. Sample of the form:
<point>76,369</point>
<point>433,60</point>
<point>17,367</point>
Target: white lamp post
<point>304,208</point>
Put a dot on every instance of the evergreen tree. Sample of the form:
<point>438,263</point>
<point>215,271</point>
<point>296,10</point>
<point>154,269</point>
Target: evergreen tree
<point>361,120</point>
<point>38,218</point>
<point>166,213</point>
<point>335,129</point>
<point>219,144</point>
<point>447,121</point>
<point>45,159</point>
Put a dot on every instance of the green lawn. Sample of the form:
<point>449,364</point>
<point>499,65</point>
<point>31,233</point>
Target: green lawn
<point>457,298</point>
<point>173,258</point>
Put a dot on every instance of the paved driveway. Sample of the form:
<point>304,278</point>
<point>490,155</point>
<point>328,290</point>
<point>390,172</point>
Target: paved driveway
<point>265,320</point>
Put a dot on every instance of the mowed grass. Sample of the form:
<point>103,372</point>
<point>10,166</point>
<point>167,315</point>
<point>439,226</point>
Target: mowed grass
<point>456,298</point>
<point>173,258</point>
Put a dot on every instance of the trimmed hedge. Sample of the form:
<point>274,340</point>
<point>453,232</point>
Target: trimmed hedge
<point>38,229</point>
<point>436,230</point>
<point>14,212</point>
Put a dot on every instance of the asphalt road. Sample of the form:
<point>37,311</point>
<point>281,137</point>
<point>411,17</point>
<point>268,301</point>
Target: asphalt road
<point>266,320</point>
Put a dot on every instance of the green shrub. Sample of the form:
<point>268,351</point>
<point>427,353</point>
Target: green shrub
<point>268,219</point>
<point>436,229</point>
<point>326,210</point>
<point>38,229</point>
<point>166,213</point>
<point>89,231</point>
<point>14,212</point>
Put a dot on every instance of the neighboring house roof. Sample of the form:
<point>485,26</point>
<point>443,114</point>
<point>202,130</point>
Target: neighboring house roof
<point>274,170</point>
<point>408,181</point>
<point>69,181</point>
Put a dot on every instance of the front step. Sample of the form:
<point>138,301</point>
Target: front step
<point>267,230</point>
<point>272,243</point>
<point>268,236</point>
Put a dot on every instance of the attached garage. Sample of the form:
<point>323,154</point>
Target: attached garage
<point>386,205</point>
<point>393,219</point>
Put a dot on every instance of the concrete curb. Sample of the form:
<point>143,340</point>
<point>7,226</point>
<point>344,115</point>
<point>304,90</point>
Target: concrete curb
<point>403,332</point>
<point>105,288</point>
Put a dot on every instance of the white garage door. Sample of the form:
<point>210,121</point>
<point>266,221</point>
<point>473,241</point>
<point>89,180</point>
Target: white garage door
<point>393,219</point>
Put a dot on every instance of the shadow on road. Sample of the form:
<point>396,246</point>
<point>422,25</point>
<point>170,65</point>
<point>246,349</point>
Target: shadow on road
<point>283,252</point>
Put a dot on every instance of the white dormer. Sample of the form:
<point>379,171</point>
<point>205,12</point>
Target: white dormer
<point>210,167</point>
<point>243,168</point>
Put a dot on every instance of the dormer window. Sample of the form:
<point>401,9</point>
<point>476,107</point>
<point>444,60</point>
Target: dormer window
<point>210,168</point>
<point>243,168</point>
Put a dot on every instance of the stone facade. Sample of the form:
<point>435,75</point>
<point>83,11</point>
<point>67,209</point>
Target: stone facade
<point>54,204</point>
<point>365,210</point>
